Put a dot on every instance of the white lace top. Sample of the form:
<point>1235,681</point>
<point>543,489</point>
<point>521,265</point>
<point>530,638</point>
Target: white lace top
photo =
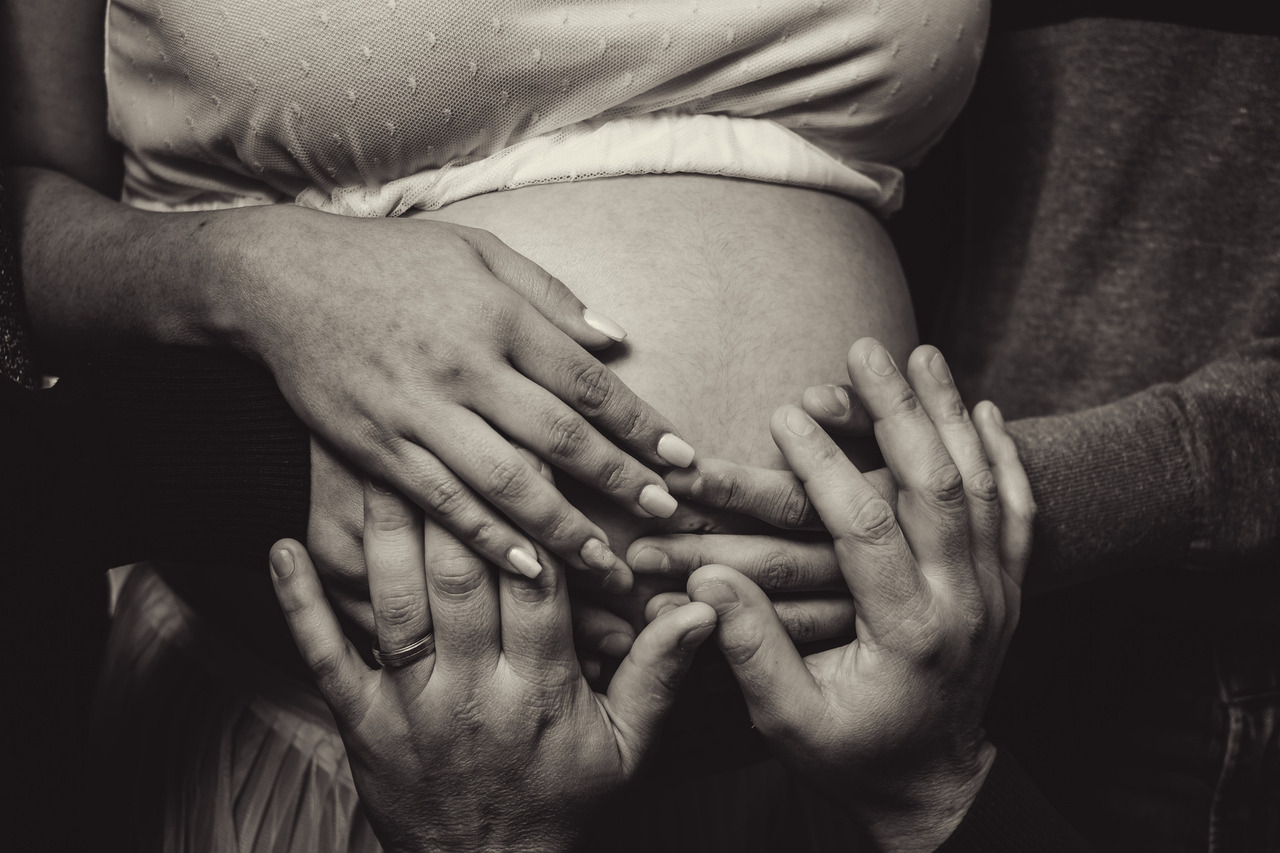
<point>374,107</point>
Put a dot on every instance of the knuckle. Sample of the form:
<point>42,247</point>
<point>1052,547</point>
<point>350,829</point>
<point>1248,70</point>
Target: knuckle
<point>591,385</point>
<point>904,401</point>
<point>561,524</point>
<point>509,479</point>
<point>801,626</point>
<point>794,509</point>
<point>744,648</point>
<point>613,477</point>
<point>567,435</point>
<point>456,584</point>
<point>981,487</point>
<point>874,521</point>
<point>398,609</point>
<point>945,485</point>
<point>953,409</point>
<point>445,498</point>
<point>778,573</point>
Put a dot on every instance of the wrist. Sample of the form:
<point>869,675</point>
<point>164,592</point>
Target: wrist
<point>921,817</point>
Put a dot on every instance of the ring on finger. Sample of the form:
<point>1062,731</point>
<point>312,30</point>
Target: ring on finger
<point>405,655</point>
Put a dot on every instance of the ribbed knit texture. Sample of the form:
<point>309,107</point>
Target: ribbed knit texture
<point>1011,816</point>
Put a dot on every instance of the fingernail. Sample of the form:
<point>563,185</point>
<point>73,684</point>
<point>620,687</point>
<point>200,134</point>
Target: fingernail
<point>999,418</point>
<point>281,563</point>
<point>833,399</point>
<point>799,422</point>
<point>597,555</point>
<point>603,324</point>
<point>657,501</point>
<point>685,481</point>
<point>719,595</point>
<point>696,635</point>
<point>675,450</point>
<point>525,562</point>
<point>590,669</point>
<point>938,367</point>
<point>666,608</point>
<point>879,361</point>
<point>651,560</point>
<point>617,582</point>
<point>615,645</point>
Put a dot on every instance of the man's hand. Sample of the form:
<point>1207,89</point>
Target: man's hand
<point>891,724</point>
<point>493,741</point>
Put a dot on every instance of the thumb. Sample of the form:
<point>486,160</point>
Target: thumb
<point>777,685</point>
<point>548,294</point>
<point>644,687</point>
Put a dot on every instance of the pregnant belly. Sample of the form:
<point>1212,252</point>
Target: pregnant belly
<point>736,295</point>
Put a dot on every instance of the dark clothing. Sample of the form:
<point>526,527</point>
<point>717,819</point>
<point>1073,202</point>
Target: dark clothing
<point>1116,291</point>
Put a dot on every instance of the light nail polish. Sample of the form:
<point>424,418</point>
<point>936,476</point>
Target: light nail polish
<point>879,361</point>
<point>799,422</point>
<point>603,324</point>
<point>657,502</point>
<point>685,481</point>
<point>675,450</point>
<point>938,367</point>
<point>525,562</point>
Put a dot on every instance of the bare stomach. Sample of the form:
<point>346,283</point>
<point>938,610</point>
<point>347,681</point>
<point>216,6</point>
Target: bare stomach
<point>736,296</point>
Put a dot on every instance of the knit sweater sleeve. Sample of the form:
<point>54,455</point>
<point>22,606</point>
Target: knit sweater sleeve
<point>1011,816</point>
<point>1183,473</point>
<point>171,453</point>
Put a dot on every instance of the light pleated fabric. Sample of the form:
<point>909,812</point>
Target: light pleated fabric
<point>203,747</point>
<point>374,107</point>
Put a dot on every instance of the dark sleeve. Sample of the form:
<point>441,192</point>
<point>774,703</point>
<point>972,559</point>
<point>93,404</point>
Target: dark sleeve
<point>1011,816</point>
<point>171,453</point>
<point>1179,473</point>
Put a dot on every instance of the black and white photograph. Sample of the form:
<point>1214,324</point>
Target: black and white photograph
<point>640,426</point>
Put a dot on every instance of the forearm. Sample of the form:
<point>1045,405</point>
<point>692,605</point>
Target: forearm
<point>1182,473</point>
<point>97,272</point>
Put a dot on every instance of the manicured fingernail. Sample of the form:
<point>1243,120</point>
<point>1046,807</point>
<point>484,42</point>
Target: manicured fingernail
<point>597,555</point>
<point>685,481</point>
<point>603,324</point>
<point>719,595</point>
<point>879,361</point>
<point>999,418</point>
<point>615,645</point>
<point>657,502</point>
<point>675,450</point>
<point>799,422</point>
<point>833,399</point>
<point>696,635</point>
<point>281,563</point>
<point>525,562</point>
<point>938,367</point>
<point>651,560</point>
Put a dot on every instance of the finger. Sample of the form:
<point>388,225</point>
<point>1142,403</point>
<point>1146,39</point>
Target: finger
<point>1017,502</point>
<point>335,665</point>
<point>772,496</point>
<point>548,294</point>
<point>596,629</point>
<point>932,381</point>
<point>871,551</point>
<point>816,620</point>
<point>664,601</point>
<point>419,474</point>
<point>644,688</point>
<point>537,628</point>
<point>538,420</point>
<point>837,410</point>
<point>496,470</point>
<point>931,507</point>
<point>463,598</point>
<point>594,391</point>
<point>773,564</point>
<point>779,689</point>
<point>394,556</point>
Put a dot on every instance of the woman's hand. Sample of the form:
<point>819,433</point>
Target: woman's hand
<point>493,741</point>
<point>891,724</point>
<point>422,349</point>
